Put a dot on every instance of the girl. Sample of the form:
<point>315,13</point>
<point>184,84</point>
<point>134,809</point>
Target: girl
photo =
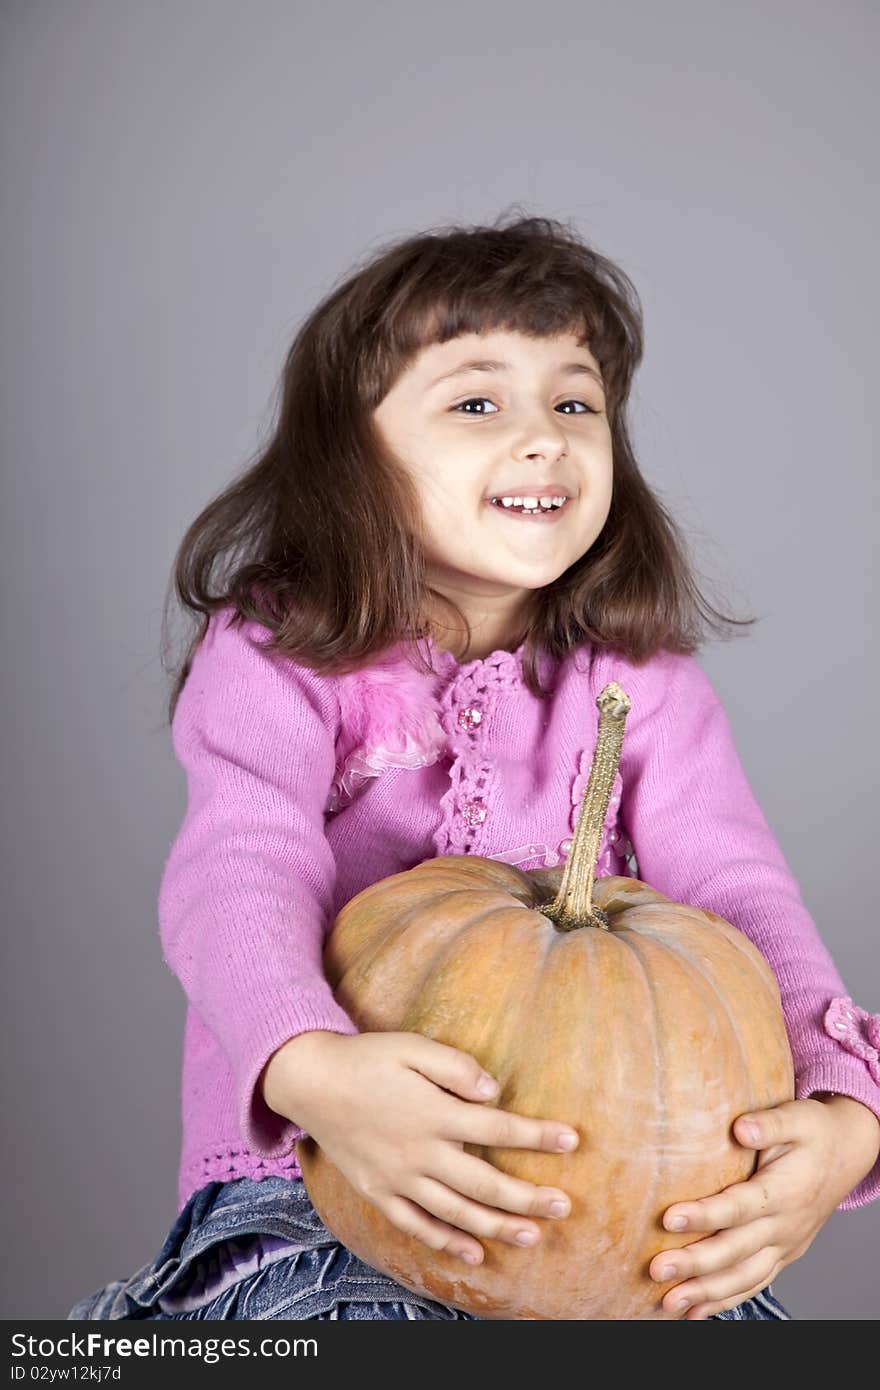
<point>445,553</point>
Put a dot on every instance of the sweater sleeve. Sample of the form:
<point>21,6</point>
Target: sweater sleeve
<point>700,837</point>
<point>246,897</point>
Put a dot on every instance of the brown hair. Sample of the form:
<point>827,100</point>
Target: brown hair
<point>319,539</point>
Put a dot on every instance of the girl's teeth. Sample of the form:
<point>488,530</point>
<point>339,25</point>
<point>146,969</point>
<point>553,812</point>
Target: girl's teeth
<point>532,504</point>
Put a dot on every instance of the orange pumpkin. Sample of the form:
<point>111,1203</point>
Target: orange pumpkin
<point>646,1024</point>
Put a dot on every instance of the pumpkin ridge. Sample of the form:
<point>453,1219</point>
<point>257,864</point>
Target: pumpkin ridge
<point>743,943</point>
<point>712,998</point>
<point>424,1004</point>
<point>399,885</point>
<point>428,965</point>
<point>371,941</point>
<point>699,915</point>
<point>375,943</point>
<point>669,943</point>
<point>660,1065</point>
<point>708,991</point>
<point>739,943</point>
<point>376,890</point>
<point>476,867</point>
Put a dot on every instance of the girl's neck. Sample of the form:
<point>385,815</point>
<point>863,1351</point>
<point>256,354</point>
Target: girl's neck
<point>480,646</point>
<point>489,633</point>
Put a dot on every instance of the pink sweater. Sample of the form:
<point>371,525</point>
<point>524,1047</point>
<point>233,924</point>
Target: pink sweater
<point>304,789</point>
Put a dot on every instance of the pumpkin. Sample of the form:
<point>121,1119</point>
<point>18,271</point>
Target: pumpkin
<point>647,1025</point>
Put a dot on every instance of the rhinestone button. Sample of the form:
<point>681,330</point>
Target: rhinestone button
<point>474,813</point>
<point>469,718</point>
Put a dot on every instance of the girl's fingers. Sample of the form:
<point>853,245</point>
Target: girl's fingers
<point>727,1288</point>
<point>413,1220</point>
<point>788,1123</point>
<point>455,1209</point>
<point>700,1311</point>
<point>487,1185</point>
<point>500,1129</point>
<point>711,1254</point>
<point>760,1195</point>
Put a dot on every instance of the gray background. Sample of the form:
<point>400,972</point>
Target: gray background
<point>181,182</point>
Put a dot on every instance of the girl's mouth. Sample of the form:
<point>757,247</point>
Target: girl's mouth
<point>541,510</point>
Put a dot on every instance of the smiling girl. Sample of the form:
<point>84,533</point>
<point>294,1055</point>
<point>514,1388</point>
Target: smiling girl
<point>408,606</point>
<point>514,487</point>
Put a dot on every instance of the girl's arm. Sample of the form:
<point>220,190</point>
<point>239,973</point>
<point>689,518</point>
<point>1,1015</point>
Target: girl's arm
<point>701,838</point>
<point>247,890</point>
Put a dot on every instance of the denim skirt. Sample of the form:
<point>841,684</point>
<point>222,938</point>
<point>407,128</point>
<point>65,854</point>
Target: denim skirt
<point>258,1250</point>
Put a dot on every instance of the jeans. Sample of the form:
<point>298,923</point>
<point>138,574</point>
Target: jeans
<point>259,1250</point>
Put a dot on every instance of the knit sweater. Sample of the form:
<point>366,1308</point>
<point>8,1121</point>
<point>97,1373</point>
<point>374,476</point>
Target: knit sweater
<point>304,789</point>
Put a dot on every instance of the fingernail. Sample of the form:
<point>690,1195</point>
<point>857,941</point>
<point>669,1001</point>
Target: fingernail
<point>681,1304</point>
<point>752,1133</point>
<point>526,1238</point>
<point>558,1208</point>
<point>677,1223</point>
<point>668,1272</point>
<point>469,1257</point>
<point>567,1141</point>
<point>487,1086</point>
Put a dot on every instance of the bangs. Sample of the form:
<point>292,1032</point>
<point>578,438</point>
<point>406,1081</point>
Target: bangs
<point>479,282</point>
<point>533,310</point>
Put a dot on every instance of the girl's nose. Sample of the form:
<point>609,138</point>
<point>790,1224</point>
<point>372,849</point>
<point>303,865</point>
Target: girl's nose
<point>541,436</point>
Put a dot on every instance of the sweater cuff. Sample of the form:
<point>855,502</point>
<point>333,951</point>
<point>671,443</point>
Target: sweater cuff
<point>266,1133</point>
<point>843,1079</point>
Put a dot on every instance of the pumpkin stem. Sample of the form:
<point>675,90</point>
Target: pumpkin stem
<point>572,907</point>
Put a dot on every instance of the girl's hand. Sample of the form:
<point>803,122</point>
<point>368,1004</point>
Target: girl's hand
<point>813,1153</point>
<point>380,1107</point>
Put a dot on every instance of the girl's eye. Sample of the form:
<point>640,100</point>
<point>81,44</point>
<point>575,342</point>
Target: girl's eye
<point>479,400</point>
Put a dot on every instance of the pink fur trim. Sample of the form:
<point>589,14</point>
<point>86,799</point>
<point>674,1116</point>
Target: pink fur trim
<point>389,719</point>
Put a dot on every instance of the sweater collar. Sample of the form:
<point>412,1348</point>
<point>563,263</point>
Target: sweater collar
<point>500,667</point>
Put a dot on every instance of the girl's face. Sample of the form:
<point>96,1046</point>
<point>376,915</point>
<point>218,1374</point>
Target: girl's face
<point>501,415</point>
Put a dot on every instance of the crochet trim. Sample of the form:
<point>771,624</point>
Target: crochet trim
<point>464,805</point>
<point>228,1161</point>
